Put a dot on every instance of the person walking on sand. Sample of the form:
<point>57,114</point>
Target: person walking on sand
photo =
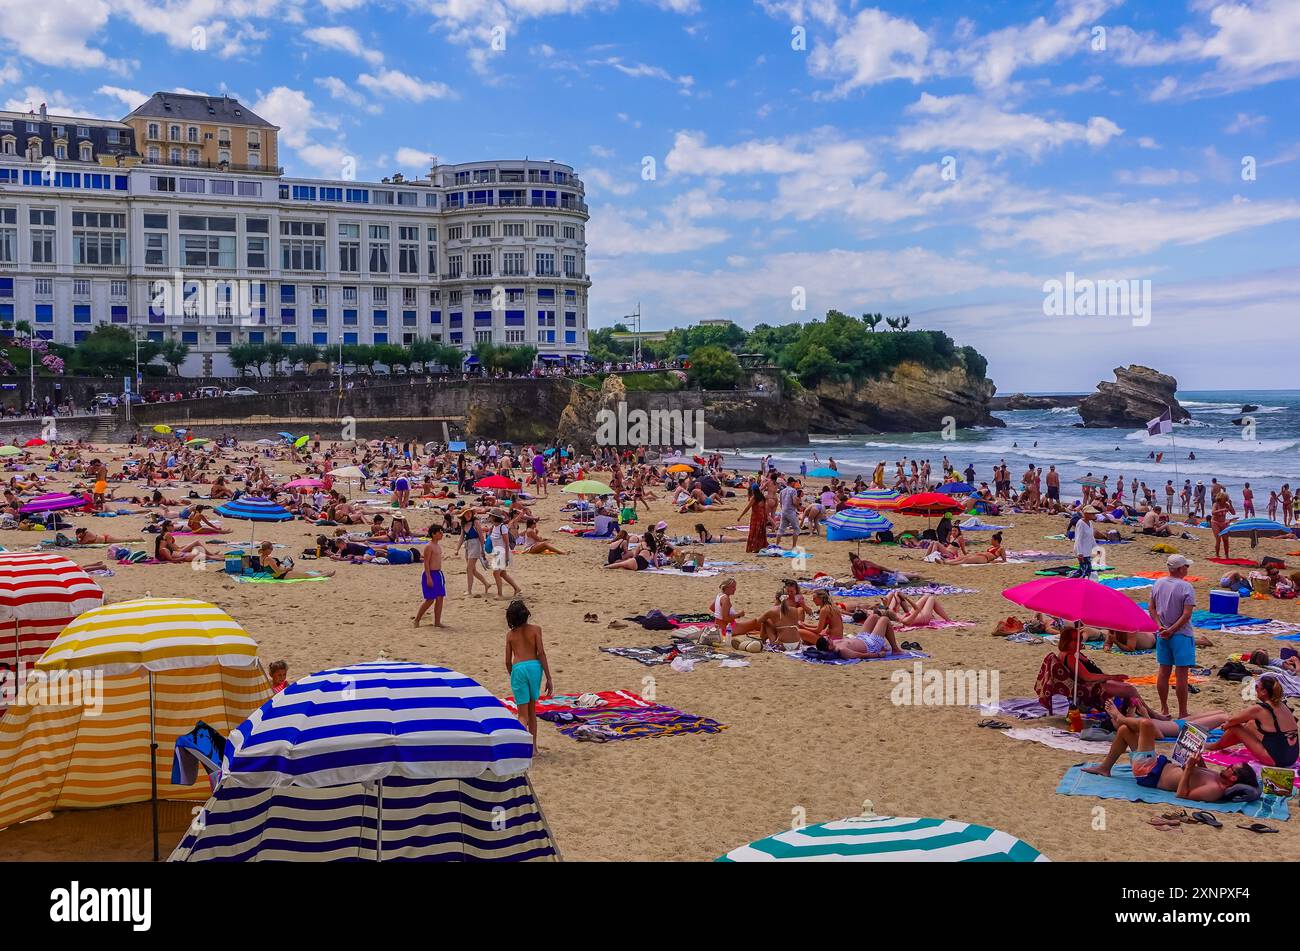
<point>500,549</point>
<point>472,539</point>
<point>526,664</point>
<point>1085,540</point>
<point>433,583</point>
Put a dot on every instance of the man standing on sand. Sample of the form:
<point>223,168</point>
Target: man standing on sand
<point>789,513</point>
<point>433,584</point>
<point>1085,540</point>
<point>1169,496</point>
<point>1247,501</point>
<point>1173,599</point>
<point>1053,484</point>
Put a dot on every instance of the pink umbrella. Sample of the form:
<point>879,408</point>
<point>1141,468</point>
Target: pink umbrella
<point>1082,600</point>
<point>52,502</point>
<point>304,484</point>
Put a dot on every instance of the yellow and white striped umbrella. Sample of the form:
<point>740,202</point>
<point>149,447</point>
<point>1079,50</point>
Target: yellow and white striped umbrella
<point>151,633</point>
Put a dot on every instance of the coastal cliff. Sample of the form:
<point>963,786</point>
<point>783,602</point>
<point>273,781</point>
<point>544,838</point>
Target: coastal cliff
<point>1139,394</point>
<point>910,398</point>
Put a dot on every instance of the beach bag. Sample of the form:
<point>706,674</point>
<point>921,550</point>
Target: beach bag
<point>487,544</point>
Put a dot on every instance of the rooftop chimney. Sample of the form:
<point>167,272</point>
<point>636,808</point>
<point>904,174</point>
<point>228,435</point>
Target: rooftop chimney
<point>43,113</point>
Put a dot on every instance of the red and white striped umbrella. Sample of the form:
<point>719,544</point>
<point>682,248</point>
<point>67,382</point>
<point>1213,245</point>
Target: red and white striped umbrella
<point>40,594</point>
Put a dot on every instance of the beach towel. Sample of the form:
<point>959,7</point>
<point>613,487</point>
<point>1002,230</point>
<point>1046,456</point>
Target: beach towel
<point>810,655</point>
<point>782,553</point>
<point>867,591</point>
<point>973,524</point>
<point>1163,574</point>
<point>608,698</point>
<point>1244,562</point>
<point>1213,621</point>
<point>1121,785</point>
<point>630,723</point>
<point>1035,555</point>
<point>1059,739</point>
<point>265,578</point>
<point>937,624</point>
<point>1148,680</point>
<point>702,573</point>
<point>1123,584</point>
<point>202,746</point>
<point>1025,708</point>
<point>659,655</point>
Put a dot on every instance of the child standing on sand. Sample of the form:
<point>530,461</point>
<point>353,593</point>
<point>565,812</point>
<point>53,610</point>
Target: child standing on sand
<point>433,584</point>
<point>526,663</point>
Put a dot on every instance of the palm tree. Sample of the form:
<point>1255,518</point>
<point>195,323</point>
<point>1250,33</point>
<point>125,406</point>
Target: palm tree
<point>174,353</point>
<point>872,320</point>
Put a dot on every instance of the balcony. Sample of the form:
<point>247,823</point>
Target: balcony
<point>217,166</point>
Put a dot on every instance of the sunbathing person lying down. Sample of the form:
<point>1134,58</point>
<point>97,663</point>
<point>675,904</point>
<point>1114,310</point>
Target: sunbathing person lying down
<point>875,639</point>
<point>1152,770</point>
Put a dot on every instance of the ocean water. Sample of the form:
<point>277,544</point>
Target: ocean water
<point>1047,437</point>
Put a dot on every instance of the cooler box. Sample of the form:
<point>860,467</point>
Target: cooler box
<point>234,565</point>
<point>1224,602</point>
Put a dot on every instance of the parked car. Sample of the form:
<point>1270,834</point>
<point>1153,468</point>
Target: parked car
<point>104,400</point>
<point>208,392</point>
<point>240,391</point>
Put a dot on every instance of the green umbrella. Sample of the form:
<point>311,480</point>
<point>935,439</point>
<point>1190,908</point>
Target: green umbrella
<point>10,451</point>
<point>197,441</point>
<point>588,487</point>
<point>888,839</point>
<point>300,442</point>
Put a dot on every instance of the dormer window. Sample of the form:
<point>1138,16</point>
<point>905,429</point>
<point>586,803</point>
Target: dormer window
<point>87,153</point>
<point>60,151</point>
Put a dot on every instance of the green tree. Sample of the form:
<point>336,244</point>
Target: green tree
<point>276,353</point>
<point>392,356</point>
<point>713,368</point>
<point>422,351</point>
<point>517,359</point>
<point>174,353</point>
<point>304,354</point>
<point>110,349</point>
<point>872,320</point>
<point>817,364</point>
<point>243,356</point>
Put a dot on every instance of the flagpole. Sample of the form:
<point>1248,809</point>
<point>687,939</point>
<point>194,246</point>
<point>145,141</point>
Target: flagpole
<point>1173,448</point>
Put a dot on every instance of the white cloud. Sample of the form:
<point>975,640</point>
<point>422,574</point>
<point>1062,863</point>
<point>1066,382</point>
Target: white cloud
<point>400,85</point>
<point>56,102</point>
<point>1244,122</point>
<point>1093,228</point>
<point>1155,176</point>
<point>874,48</point>
<point>346,39</point>
<point>129,98</point>
<point>344,92</point>
<point>973,125</point>
<point>645,71</point>
<point>55,32</point>
<point>415,158</point>
<point>603,181</point>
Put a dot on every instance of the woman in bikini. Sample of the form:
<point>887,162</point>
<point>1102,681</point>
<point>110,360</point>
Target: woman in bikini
<point>1266,728</point>
<point>780,625</point>
<point>534,544</point>
<point>165,548</point>
<point>875,639</point>
<point>200,524</point>
<point>995,552</point>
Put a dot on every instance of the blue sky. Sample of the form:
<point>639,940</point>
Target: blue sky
<point>800,147</point>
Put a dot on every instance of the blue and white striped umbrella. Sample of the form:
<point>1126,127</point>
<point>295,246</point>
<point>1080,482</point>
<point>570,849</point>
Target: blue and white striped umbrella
<point>375,762</point>
<point>371,721</point>
<point>850,524</point>
<point>888,839</point>
<point>1255,529</point>
<point>254,509</point>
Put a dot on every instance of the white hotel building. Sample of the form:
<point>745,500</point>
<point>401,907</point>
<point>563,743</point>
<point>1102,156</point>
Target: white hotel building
<point>92,218</point>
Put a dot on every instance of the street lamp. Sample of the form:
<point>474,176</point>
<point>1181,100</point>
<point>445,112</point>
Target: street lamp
<point>636,340</point>
<point>340,364</point>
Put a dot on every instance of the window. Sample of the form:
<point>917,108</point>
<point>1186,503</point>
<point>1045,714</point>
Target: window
<point>571,266</point>
<point>206,249</point>
<point>349,317</point>
<point>409,295</point>
<point>349,295</point>
<point>379,318</point>
<point>514,336</point>
<point>257,251</point>
<point>455,233</point>
<point>570,233</point>
<point>8,237</point>
<point>381,197</point>
<point>481,264</point>
<point>546,231</point>
<point>81,313</point>
<point>155,249</point>
<point>81,288</point>
<point>98,238</point>
<point>192,156</point>
<point>162,183</point>
<point>174,156</point>
<point>482,336</point>
<point>85,151</point>
<point>223,338</point>
<point>174,133</point>
<point>378,249</point>
<point>454,266</point>
<point>223,186</point>
<point>302,245</point>
<point>250,189</point>
<point>512,264</point>
<point>117,289</point>
<point>379,295</point>
<point>408,251</point>
<point>42,239</point>
<point>480,231</point>
<point>513,229</point>
<point>192,134</point>
<point>44,313</point>
<point>545,264</point>
<point>43,287</point>
<point>153,132</point>
<point>319,293</point>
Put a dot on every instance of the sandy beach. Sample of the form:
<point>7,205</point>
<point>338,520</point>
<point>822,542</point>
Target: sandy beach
<point>801,740</point>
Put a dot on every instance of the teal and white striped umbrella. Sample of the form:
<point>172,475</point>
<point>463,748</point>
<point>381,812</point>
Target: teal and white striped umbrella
<point>888,839</point>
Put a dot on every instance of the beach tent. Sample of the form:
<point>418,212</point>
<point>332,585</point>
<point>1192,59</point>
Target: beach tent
<point>376,762</point>
<point>161,661</point>
<point>825,472</point>
<point>40,593</point>
<point>888,839</point>
<point>119,683</point>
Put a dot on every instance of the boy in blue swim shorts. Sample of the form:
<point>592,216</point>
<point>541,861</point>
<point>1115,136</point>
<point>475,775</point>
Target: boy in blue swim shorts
<point>433,584</point>
<point>526,663</point>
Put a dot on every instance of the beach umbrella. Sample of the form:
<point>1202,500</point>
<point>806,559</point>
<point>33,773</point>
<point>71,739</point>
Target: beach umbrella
<point>955,488</point>
<point>34,441</point>
<point>1082,600</point>
<point>874,499</point>
<point>855,525</point>
<point>301,441</point>
<point>348,472</point>
<point>288,436</point>
<point>162,429</point>
<point>888,839</point>
<point>675,459</point>
<point>267,442</point>
<point>304,484</point>
<point>197,441</point>
<point>564,453</point>
<point>498,482</point>
<point>52,502</point>
<point>155,635</point>
<point>1090,481</point>
<point>825,472</point>
<point>254,509</point>
<point>681,467</point>
<point>37,588</point>
<point>1255,529</point>
<point>10,451</point>
<point>389,755</point>
<point>927,504</point>
<point>587,487</point>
